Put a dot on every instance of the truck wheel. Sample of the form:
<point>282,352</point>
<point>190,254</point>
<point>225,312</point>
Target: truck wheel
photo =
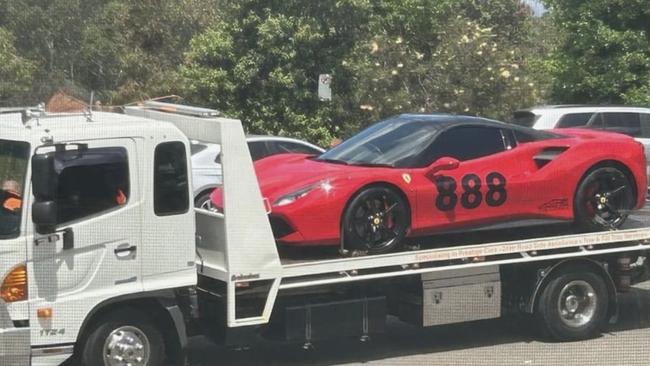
<point>123,338</point>
<point>573,306</point>
<point>375,221</point>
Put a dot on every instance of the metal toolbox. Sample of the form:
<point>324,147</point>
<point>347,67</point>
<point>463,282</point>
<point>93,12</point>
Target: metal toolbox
<point>454,297</point>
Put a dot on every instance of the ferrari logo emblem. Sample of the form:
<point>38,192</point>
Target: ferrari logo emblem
<point>407,178</point>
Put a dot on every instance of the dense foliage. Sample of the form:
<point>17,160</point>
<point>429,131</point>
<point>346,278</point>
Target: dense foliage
<point>260,60</point>
<point>16,73</point>
<point>604,51</point>
<point>120,49</point>
<point>261,63</point>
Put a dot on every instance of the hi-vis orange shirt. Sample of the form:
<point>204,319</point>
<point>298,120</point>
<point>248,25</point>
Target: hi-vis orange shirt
<point>12,204</point>
<point>120,198</point>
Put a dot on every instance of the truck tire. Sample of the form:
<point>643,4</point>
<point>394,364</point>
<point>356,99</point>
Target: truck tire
<point>128,335</point>
<point>572,306</point>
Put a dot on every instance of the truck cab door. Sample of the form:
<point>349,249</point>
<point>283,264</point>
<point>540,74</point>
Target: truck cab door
<point>91,252</point>
<point>14,305</point>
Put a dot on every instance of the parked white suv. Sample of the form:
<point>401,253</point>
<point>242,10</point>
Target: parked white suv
<point>632,121</point>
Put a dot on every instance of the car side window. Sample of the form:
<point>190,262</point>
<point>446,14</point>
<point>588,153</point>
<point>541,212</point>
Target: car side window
<point>645,125</point>
<point>596,122</point>
<point>258,150</point>
<point>170,187</point>
<point>284,147</point>
<point>91,181</point>
<point>468,142</point>
<point>623,122</point>
<point>574,120</point>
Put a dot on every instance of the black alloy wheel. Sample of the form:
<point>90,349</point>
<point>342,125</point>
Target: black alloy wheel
<point>604,199</point>
<point>375,221</point>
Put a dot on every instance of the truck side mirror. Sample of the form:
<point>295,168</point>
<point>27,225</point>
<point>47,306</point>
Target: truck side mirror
<point>44,216</point>
<point>44,186</point>
<point>44,178</point>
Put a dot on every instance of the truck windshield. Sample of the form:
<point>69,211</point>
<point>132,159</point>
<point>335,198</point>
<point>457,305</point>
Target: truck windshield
<point>13,167</point>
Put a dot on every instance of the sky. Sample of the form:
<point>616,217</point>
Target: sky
<point>536,5</point>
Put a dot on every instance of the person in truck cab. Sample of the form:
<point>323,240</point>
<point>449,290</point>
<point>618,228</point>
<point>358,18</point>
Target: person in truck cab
<point>12,200</point>
<point>10,204</point>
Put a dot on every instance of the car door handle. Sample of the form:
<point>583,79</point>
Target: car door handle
<point>125,250</point>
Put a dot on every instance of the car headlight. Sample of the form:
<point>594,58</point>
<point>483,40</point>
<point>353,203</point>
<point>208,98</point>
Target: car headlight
<point>302,192</point>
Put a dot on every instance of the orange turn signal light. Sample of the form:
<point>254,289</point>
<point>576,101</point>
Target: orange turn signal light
<point>14,285</point>
<point>44,313</point>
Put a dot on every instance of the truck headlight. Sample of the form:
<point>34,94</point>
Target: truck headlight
<point>14,285</point>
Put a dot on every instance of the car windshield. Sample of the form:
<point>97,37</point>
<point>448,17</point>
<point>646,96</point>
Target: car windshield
<point>13,167</point>
<point>396,142</point>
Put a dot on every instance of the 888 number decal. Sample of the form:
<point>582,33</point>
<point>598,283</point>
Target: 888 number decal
<point>471,197</point>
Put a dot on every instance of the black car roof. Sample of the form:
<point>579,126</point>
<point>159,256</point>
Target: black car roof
<point>445,121</point>
<point>449,120</point>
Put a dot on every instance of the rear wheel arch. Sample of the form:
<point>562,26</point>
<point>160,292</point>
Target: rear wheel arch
<point>611,164</point>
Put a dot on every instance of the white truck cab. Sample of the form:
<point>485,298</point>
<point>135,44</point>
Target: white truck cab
<point>100,223</point>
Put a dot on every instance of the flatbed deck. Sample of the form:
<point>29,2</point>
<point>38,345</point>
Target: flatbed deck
<point>301,255</point>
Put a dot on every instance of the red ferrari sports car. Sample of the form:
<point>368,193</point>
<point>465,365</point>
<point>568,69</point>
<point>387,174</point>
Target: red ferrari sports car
<point>415,175</point>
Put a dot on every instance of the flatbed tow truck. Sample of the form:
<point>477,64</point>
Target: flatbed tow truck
<point>108,262</point>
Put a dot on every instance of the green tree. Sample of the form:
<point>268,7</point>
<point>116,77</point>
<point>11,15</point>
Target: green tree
<point>260,62</point>
<point>131,49</point>
<point>468,57</point>
<point>16,73</point>
<point>604,51</point>
<point>121,49</point>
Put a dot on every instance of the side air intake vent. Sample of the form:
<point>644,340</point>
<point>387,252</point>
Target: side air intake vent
<point>547,155</point>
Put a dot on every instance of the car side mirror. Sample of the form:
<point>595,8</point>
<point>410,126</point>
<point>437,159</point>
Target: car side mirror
<point>444,163</point>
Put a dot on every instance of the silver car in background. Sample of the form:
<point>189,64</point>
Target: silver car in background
<point>206,167</point>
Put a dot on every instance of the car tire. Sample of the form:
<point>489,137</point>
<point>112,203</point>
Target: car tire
<point>203,201</point>
<point>572,306</point>
<point>613,187</point>
<point>125,333</point>
<point>375,221</point>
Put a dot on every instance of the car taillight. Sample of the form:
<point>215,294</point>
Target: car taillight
<point>14,285</point>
